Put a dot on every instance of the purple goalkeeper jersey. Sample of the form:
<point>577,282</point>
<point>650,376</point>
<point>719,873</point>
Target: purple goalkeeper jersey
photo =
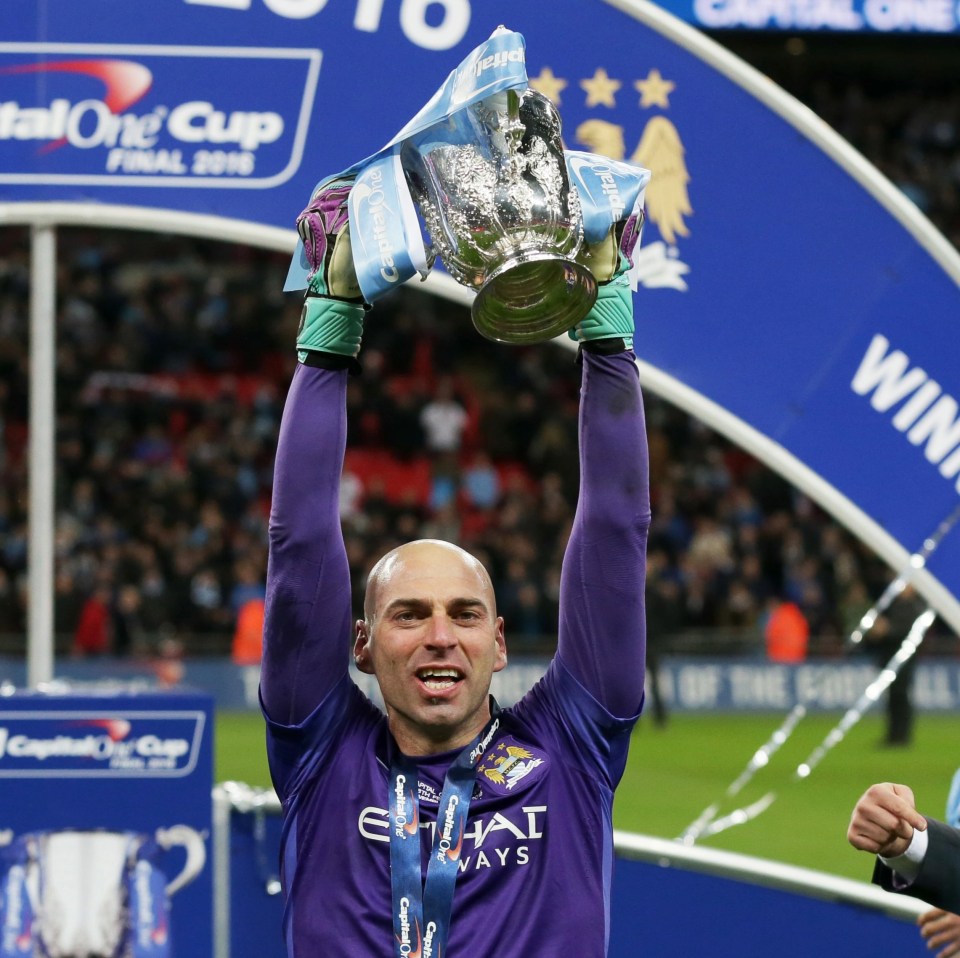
<point>537,851</point>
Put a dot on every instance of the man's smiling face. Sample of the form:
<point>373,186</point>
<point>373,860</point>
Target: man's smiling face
<point>432,638</point>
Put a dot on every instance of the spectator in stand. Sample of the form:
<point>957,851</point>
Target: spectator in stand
<point>786,631</point>
<point>444,481</point>
<point>351,496</point>
<point>553,452</point>
<point>247,645</point>
<point>519,598</point>
<point>155,609</point>
<point>68,601</point>
<point>481,482</point>
<point>249,583</point>
<point>207,610</point>
<point>741,609</point>
<point>445,523</point>
<point>402,421</point>
<point>129,636</point>
<point>11,617</point>
<point>93,637</point>
<point>664,619</point>
<point>444,419</point>
<point>710,548</point>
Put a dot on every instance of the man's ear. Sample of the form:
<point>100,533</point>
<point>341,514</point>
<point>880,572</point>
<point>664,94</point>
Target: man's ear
<point>361,648</point>
<point>500,662</point>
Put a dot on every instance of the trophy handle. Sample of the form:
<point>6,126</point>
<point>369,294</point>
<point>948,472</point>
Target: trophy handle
<point>192,841</point>
<point>6,837</point>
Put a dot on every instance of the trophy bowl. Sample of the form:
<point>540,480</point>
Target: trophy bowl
<point>498,206</point>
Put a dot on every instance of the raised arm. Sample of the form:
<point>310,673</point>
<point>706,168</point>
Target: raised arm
<point>308,614</point>
<point>307,627</point>
<point>602,631</point>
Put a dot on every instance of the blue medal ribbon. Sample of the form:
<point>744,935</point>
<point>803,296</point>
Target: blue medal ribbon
<point>421,910</point>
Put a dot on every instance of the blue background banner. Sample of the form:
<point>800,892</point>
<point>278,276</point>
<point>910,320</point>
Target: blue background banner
<point>844,16</point>
<point>790,296</point>
<point>736,918</point>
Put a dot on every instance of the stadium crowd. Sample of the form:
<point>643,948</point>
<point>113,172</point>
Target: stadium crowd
<point>172,358</point>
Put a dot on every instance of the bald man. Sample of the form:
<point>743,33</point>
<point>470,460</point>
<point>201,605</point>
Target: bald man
<point>447,825</point>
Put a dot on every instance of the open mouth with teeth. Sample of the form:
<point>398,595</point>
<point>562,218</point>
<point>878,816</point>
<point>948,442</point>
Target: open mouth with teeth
<point>439,680</point>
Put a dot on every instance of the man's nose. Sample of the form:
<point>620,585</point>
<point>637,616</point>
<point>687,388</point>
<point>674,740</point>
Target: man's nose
<point>441,633</point>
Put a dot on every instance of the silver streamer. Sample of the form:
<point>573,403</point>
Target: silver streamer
<point>705,825</point>
<point>851,717</point>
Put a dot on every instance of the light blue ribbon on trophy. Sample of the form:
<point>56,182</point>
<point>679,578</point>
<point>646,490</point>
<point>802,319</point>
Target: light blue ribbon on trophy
<point>387,243</point>
<point>610,192</point>
<point>383,221</point>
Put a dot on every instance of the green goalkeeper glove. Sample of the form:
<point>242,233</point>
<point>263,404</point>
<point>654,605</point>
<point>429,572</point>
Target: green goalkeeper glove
<point>329,326</point>
<point>331,322</point>
<point>608,327</point>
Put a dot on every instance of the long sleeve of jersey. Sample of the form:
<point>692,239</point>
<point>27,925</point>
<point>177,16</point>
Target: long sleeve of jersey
<point>602,632</point>
<point>307,625</point>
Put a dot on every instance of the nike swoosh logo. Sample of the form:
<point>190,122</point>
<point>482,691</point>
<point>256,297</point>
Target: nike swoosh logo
<point>453,853</point>
<point>360,192</point>
<point>411,827</point>
<point>576,164</point>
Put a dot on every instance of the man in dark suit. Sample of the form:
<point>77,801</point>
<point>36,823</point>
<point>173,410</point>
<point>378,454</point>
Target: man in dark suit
<point>917,856</point>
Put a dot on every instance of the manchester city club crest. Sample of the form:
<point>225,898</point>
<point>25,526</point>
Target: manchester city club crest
<point>511,766</point>
<point>634,111</point>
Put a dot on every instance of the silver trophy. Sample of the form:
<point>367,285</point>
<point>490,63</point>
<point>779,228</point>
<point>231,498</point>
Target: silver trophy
<point>502,215</point>
<point>85,893</point>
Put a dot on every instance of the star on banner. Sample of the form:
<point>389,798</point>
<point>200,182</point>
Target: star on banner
<point>601,89</point>
<point>549,85</point>
<point>654,91</point>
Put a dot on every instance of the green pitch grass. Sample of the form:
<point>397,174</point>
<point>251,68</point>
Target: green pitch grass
<point>673,774</point>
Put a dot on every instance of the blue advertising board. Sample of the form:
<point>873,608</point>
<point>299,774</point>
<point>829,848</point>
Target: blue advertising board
<point>687,683</point>
<point>789,295</point>
<point>671,911</point>
<point>837,16</point>
<point>105,825</point>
